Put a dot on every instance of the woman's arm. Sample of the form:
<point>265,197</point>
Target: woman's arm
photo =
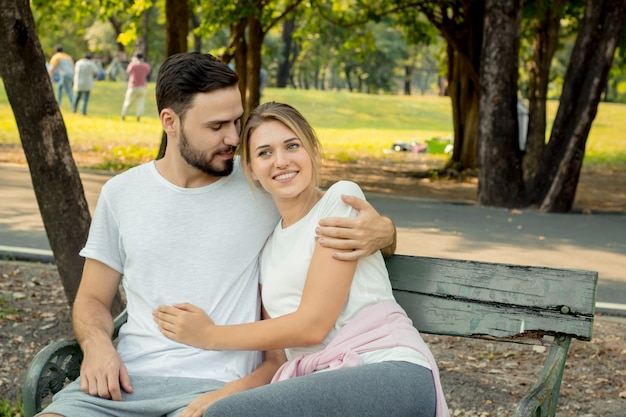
<point>262,375</point>
<point>325,292</point>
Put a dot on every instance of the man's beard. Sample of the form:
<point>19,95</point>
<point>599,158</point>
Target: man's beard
<point>197,159</point>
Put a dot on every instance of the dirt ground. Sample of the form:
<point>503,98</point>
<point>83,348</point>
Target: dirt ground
<point>480,378</point>
<point>598,190</point>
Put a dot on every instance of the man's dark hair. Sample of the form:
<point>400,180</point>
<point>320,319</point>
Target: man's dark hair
<point>58,48</point>
<point>139,55</point>
<point>184,75</point>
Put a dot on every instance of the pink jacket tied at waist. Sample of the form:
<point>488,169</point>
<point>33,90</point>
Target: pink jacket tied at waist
<point>381,326</point>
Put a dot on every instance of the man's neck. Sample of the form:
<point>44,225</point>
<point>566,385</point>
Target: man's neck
<point>180,173</point>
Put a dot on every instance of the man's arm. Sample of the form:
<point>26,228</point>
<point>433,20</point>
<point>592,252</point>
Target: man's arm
<point>102,372</point>
<point>364,234</point>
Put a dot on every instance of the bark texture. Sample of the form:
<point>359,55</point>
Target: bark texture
<point>177,26</point>
<point>461,24</point>
<point>56,181</point>
<point>546,25</point>
<point>554,186</point>
<point>500,182</point>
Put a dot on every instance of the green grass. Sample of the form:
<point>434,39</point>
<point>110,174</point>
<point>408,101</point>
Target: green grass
<point>7,409</point>
<point>350,126</point>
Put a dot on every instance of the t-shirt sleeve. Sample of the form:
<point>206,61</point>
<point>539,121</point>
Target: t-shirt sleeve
<point>103,243</point>
<point>333,204</point>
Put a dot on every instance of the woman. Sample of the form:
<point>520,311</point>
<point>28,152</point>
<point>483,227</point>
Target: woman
<point>328,315</point>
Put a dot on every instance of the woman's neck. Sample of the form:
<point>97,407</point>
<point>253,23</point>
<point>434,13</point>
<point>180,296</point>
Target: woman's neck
<point>294,209</point>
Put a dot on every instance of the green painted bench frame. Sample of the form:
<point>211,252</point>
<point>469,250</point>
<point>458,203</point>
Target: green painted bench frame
<point>498,302</point>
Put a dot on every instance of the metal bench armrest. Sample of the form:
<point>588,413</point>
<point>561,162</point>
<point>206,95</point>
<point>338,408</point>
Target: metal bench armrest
<point>52,367</point>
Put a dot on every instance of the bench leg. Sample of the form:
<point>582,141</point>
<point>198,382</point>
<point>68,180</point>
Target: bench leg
<point>542,399</point>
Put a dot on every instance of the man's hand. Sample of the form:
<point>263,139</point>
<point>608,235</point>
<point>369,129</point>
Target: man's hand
<point>103,374</point>
<point>364,234</point>
<point>184,323</point>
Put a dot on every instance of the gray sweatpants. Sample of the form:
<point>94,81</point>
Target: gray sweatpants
<point>151,397</point>
<point>378,390</point>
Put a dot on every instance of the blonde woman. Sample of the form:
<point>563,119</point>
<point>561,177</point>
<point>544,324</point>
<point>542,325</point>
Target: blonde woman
<point>351,349</point>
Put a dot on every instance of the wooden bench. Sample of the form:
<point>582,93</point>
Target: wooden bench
<point>499,302</point>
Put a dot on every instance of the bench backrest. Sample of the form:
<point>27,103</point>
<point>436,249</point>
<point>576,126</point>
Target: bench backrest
<point>481,299</point>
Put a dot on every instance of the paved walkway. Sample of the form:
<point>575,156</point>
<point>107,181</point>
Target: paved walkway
<point>425,227</point>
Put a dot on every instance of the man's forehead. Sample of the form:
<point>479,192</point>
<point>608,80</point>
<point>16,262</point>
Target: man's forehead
<point>221,105</point>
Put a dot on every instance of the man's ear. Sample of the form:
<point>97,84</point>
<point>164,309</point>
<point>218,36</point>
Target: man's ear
<point>168,120</point>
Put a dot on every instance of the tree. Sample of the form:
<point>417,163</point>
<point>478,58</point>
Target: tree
<point>287,58</point>
<point>461,25</point>
<point>176,30</point>
<point>55,178</point>
<point>249,22</point>
<point>177,26</point>
<point>546,23</point>
<point>554,185</point>
<point>500,180</point>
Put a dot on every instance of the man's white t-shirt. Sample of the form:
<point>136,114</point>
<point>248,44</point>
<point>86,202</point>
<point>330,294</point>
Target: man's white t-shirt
<point>173,245</point>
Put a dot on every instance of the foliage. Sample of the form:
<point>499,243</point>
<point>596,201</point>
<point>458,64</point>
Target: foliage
<point>10,410</point>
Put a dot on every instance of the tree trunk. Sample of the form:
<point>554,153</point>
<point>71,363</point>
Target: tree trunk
<point>408,76</point>
<point>176,27</point>
<point>546,24</point>
<point>284,68</point>
<point>239,45</point>
<point>555,184</point>
<point>348,78</point>
<point>142,44</point>
<point>463,92</point>
<point>500,180</point>
<point>176,31</point>
<point>197,39</point>
<point>55,178</point>
<point>253,65</point>
<point>122,56</point>
<point>463,32</point>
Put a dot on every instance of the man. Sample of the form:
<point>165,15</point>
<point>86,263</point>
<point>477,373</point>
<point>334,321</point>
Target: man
<point>138,72</point>
<point>186,228</point>
<point>63,64</point>
<point>85,72</point>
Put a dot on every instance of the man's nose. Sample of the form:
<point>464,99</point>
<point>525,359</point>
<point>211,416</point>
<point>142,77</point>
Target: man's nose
<point>232,135</point>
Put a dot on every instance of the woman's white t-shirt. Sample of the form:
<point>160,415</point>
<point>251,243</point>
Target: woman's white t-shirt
<point>285,261</point>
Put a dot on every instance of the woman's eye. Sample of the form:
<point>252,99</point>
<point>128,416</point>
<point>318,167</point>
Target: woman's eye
<point>293,146</point>
<point>264,153</point>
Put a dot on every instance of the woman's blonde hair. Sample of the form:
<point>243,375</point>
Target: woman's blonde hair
<point>293,120</point>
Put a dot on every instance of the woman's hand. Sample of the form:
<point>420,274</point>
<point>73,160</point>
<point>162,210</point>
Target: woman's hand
<point>185,323</point>
<point>197,407</point>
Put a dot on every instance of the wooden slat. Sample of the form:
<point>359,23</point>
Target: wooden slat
<point>467,298</point>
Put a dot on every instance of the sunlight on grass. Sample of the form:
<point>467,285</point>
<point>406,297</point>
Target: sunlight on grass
<point>350,125</point>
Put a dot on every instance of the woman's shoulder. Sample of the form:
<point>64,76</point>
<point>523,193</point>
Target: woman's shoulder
<point>345,187</point>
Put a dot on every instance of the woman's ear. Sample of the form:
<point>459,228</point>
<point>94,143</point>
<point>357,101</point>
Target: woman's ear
<point>252,174</point>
